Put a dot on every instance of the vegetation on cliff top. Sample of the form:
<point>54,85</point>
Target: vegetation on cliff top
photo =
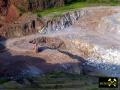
<point>76,4</point>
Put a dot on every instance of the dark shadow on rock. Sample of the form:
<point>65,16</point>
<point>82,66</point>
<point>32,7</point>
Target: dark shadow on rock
<point>85,68</point>
<point>2,44</point>
<point>41,49</point>
<point>73,56</point>
<point>2,48</point>
<point>2,38</point>
<point>19,67</point>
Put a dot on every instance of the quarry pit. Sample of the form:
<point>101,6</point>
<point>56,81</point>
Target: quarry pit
<point>81,41</point>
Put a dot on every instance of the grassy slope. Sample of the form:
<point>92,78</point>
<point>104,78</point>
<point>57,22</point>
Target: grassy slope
<point>70,7</point>
<point>57,81</point>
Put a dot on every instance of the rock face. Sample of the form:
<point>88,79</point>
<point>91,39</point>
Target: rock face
<point>4,5</point>
<point>12,23</point>
<point>25,5</point>
<point>27,24</point>
<point>49,42</point>
<point>64,21</point>
<point>44,4</point>
<point>12,14</point>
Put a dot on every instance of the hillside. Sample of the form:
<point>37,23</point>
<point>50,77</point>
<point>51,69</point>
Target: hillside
<point>58,44</point>
<point>13,13</point>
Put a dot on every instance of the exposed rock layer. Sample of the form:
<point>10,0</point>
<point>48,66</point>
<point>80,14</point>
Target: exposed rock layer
<point>63,21</point>
<point>26,5</point>
<point>49,42</point>
<point>25,25</point>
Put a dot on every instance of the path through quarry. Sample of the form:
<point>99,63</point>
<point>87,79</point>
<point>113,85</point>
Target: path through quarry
<point>94,37</point>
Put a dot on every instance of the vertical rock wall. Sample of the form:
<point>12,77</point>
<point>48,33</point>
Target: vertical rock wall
<point>4,5</point>
<point>64,21</point>
<point>43,4</point>
<point>28,24</point>
<point>25,5</point>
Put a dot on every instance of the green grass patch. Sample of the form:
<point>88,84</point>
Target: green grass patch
<point>73,6</point>
<point>61,10</point>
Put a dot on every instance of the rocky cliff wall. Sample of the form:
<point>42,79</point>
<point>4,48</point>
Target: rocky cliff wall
<point>11,11</point>
<point>4,5</point>
<point>64,21</point>
<point>43,4</point>
<point>29,5</point>
<point>25,25</point>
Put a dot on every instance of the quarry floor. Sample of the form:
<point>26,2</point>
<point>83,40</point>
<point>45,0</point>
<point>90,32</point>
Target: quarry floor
<point>85,31</point>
